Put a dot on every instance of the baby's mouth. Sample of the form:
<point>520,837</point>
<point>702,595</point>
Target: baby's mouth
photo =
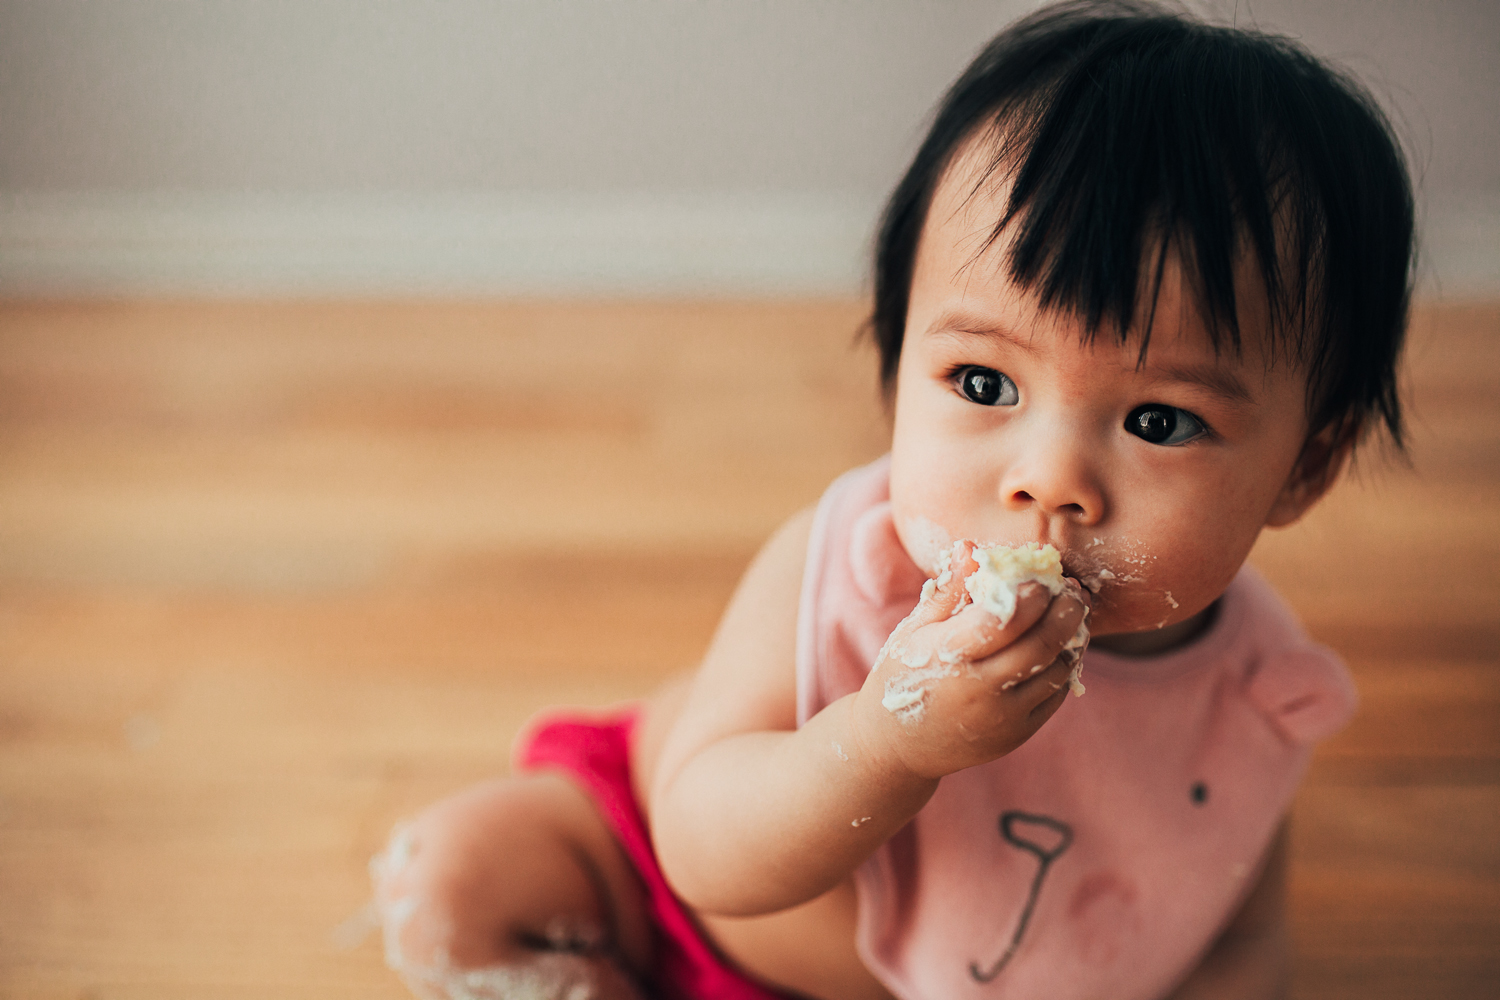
<point>1087,570</point>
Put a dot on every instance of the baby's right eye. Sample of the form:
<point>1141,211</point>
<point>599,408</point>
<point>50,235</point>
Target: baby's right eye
<point>986,386</point>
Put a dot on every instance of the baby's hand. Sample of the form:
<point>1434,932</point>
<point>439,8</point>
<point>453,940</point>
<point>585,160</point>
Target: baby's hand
<point>955,687</point>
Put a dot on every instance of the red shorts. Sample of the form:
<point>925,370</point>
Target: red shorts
<point>594,750</point>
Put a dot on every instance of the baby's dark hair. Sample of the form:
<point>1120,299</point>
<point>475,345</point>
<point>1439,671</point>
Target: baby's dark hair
<point>1129,129</point>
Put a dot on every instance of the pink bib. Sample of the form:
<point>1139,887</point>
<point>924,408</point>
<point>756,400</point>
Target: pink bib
<point>1104,856</point>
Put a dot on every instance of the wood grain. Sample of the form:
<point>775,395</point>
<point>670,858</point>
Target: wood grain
<point>274,575</point>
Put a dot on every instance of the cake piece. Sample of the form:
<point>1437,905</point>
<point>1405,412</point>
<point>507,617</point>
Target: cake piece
<point>1002,570</point>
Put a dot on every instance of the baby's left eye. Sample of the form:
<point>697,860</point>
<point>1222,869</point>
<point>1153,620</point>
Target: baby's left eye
<point>1162,424</point>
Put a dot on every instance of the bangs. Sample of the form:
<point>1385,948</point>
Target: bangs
<point>1123,159</point>
<point>1128,133</point>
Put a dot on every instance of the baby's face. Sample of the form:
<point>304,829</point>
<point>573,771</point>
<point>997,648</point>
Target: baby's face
<point>1152,480</point>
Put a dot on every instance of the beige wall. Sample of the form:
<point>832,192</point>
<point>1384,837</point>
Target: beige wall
<point>200,117</point>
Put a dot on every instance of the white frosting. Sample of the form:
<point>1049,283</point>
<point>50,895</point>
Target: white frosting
<point>1003,569</point>
<point>994,587</point>
<point>906,692</point>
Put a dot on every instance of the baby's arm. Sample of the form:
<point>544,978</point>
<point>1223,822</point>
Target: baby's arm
<point>752,815</point>
<point>1251,959</point>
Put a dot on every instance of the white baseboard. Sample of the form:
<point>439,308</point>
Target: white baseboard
<point>97,244</point>
<point>90,244</point>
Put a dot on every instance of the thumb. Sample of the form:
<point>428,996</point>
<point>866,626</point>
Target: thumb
<point>941,599</point>
<point>945,596</point>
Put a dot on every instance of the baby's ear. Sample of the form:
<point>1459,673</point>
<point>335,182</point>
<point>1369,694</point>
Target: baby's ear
<point>1317,469</point>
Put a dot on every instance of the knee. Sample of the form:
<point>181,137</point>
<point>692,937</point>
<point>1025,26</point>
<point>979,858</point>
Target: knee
<point>485,876</point>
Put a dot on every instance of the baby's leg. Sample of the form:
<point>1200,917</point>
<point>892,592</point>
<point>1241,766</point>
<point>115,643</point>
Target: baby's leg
<point>512,888</point>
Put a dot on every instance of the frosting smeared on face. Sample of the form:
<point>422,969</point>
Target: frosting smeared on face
<point>926,541</point>
<point>1155,525</point>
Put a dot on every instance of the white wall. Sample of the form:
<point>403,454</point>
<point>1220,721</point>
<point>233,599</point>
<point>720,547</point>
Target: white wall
<point>574,146</point>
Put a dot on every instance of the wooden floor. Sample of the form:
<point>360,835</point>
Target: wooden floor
<point>274,576</point>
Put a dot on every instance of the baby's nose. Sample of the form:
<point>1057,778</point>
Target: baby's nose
<point>1072,510</point>
<point>1059,483</point>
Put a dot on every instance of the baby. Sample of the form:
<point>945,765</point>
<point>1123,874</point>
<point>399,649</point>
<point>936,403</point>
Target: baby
<point>1138,296</point>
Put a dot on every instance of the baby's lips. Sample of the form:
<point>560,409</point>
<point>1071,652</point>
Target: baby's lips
<point>1078,591</point>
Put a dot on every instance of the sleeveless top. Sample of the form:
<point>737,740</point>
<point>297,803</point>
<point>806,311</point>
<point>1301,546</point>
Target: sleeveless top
<point>1104,856</point>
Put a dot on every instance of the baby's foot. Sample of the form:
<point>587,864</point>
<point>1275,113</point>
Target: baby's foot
<point>552,975</point>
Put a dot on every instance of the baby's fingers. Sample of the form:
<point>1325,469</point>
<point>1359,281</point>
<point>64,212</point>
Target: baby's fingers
<point>1034,665</point>
<point>946,594</point>
<point>974,633</point>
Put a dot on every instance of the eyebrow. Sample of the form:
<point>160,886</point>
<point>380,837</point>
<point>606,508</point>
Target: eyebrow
<point>962,324</point>
<point>1212,379</point>
<point>1216,381</point>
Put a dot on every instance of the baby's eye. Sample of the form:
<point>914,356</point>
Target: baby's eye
<point>987,387</point>
<point>1162,424</point>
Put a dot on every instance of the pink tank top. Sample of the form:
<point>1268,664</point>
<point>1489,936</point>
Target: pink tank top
<point>1104,856</point>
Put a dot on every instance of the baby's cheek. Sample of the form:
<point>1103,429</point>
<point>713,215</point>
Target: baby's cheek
<point>1152,593</point>
<point>924,540</point>
<point>938,495</point>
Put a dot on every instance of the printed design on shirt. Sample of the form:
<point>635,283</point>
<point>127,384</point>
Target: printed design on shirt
<point>1045,838</point>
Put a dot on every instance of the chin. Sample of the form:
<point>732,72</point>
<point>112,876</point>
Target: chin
<point>1122,611</point>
